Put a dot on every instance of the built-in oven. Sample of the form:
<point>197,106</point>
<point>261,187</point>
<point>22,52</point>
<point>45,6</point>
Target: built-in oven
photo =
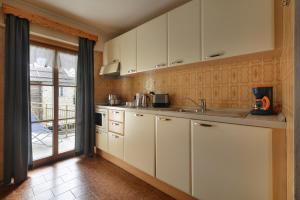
<point>101,119</point>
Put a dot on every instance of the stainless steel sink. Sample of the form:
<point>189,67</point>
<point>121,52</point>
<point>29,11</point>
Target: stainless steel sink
<point>188,110</point>
<point>214,112</point>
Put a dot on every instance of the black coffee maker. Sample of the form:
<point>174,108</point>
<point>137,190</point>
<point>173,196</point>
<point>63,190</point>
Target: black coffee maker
<point>263,102</point>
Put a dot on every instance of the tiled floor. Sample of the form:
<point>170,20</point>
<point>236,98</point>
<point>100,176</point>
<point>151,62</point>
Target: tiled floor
<point>82,178</point>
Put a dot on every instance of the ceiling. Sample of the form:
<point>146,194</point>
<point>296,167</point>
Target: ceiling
<point>110,16</point>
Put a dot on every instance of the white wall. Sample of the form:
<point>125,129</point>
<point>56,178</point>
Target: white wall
<point>51,34</point>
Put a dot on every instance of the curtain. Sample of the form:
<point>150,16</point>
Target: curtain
<point>85,127</point>
<point>17,128</point>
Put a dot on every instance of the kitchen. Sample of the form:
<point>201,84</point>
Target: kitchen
<point>197,102</point>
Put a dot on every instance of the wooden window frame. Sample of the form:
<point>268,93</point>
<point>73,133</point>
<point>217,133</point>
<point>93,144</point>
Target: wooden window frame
<point>57,47</point>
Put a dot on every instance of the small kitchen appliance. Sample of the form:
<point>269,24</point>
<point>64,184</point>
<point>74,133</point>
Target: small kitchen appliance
<point>114,100</point>
<point>160,100</point>
<point>263,101</point>
<point>141,100</point>
<point>101,119</point>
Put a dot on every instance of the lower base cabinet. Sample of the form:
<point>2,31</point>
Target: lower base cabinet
<point>139,141</point>
<point>102,140</point>
<point>116,145</point>
<point>173,152</point>
<point>231,162</point>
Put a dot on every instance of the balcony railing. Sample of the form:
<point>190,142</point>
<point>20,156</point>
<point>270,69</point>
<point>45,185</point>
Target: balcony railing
<point>66,116</point>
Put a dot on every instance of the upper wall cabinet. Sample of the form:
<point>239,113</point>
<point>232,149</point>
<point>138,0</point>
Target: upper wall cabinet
<point>236,27</point>
<point>184,34</point>
<point>128,52</point>
<point>152,44</point>
<point>111,51</point>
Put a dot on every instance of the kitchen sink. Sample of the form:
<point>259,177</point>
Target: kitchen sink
<point>215,112</point>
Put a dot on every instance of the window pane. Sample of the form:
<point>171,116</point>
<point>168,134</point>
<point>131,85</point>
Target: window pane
<point>66,135</point>
<point>41,65</point>
<point>42,139</point>
<point>67,68</point>
<point>41,103</point>
<point>66,102</point>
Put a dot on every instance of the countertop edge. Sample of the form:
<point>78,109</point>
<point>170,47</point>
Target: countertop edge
<point>230,120</point>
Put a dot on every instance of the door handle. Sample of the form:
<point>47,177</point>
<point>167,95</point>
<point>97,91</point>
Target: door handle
<point>131,71</point>
<point>177,62</point>
<point>164,119</point>
<point>116,124</point>
<point>216,55</point>
<point>160,65</point>
<point>202,124</point>
<point>138,115</point>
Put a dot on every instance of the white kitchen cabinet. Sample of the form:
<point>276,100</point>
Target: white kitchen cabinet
<point>102,140</point>
<point>173,151</point>
<point>111,51</point>
<point>231,162</point>
<point>236,27</point>
<point>152,44</point>
<point>139,141</point>
<point>184,34</point>
<point>116,145</point>
<point>128,52</point>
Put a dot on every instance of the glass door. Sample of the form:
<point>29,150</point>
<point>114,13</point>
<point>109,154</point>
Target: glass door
<point>53,98</point>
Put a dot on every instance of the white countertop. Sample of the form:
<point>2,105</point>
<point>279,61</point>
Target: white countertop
<point>270,121</point>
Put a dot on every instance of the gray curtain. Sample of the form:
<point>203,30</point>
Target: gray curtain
<point>17,128</point>
<point>85,127</point>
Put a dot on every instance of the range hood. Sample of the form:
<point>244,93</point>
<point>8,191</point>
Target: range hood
<point>112,69</point>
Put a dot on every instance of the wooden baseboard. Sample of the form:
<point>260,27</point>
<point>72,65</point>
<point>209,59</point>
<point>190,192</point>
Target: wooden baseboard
<point>173,192</point>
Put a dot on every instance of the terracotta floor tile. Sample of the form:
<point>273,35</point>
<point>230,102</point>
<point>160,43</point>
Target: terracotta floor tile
<point>82,178</point>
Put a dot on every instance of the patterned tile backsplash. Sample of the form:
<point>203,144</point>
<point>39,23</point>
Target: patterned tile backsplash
<point>223,83</point>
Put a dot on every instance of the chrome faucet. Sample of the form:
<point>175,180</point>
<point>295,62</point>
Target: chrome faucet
<point>201,104</point>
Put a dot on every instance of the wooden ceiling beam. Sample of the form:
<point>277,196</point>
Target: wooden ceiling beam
<point>44,21</point>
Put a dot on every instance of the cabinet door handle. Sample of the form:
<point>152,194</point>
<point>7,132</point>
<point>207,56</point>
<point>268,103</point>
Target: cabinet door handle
<point>116,136</point>
<point>164,119</point>
<point>116,112</point>
<point>202,124</point>
<point>177,62</point>
<point>116,124</point>
<point>216,55</point>
<point>131,71</point>
<point>160,65</point>
<point>138,115</point>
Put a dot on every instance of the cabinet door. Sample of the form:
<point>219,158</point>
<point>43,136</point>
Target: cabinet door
<point>139,141</point>
<point>152,44</point>
<point>111,51</point>
<point>236,27</point>
<point>231,162</point>
<point>173,151</point>
<point>116,145</point>
<point>128,52</point>
<point>184,34</point>
<point>102,140</point>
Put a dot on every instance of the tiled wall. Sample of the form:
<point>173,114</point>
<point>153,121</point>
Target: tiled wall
<point>224,83</point>
<point>287,76</point>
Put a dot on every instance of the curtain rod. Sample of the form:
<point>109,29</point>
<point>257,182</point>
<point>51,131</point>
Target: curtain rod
<point>43,21</point>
